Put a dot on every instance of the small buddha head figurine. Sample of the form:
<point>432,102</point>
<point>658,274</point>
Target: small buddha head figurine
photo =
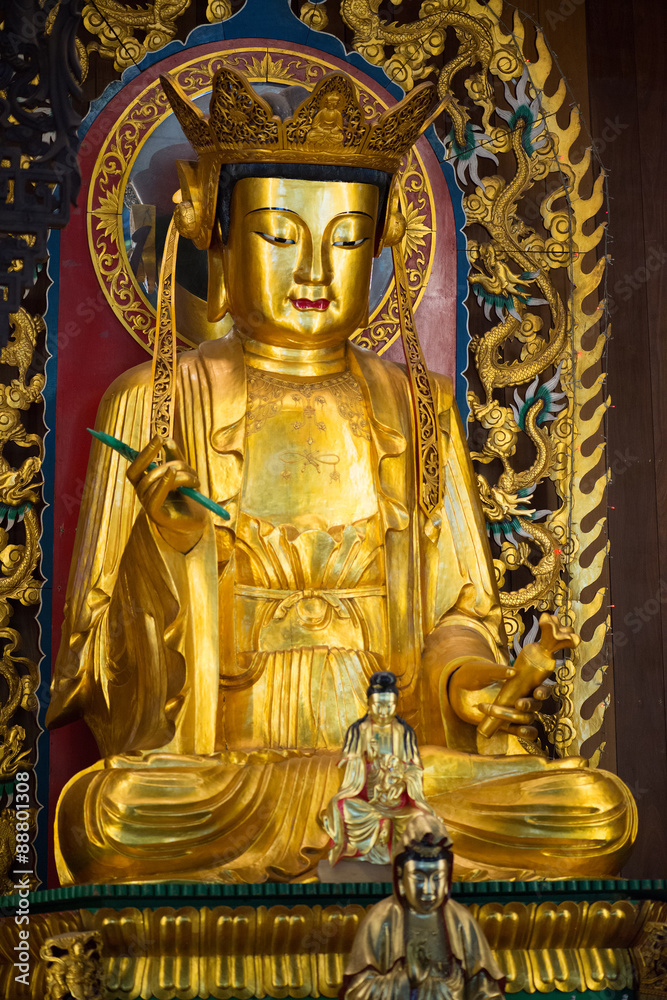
<point>422,865</point>
<point>382,694</point>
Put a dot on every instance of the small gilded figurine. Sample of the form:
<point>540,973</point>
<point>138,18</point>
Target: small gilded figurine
<point>382,787</point>
<point>419,944</point>
<point>327,128</point>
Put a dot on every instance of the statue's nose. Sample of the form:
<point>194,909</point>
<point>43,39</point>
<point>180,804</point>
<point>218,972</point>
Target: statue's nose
<point>314,265</point>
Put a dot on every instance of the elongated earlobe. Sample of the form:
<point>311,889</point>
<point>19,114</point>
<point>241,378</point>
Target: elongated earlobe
<point>218,304</point>
<point>394,226</point>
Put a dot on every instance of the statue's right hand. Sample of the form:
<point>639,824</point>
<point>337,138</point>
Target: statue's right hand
<point>179,520</point>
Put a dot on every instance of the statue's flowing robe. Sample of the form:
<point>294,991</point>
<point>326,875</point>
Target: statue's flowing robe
<point>376,967</point>
<point>149,657</point>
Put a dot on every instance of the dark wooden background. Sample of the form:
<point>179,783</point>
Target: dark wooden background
<point>627,79</point>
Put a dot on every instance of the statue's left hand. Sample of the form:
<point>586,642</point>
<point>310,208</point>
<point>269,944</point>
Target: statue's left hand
<point>473,688</point>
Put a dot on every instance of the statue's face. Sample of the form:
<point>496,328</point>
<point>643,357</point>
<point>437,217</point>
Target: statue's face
<point>382,706</point>
<point>424,884</point>
<point>298,259</point>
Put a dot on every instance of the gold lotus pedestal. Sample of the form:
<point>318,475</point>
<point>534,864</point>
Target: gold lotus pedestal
<point>602,938</point>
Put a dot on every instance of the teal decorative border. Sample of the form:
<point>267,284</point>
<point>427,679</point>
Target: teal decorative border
<point>92,897</point>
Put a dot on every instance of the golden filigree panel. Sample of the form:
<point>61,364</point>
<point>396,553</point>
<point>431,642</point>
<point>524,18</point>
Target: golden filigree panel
<point>650,955</point>
<point>20,531</point>
<point>116,25</point>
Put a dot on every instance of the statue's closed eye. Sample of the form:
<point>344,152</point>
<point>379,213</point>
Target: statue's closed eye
<point>347,244</point>
<point>278,240</point>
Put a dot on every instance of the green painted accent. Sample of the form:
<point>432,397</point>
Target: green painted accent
<point>131,453</point>
<point>177,894</point>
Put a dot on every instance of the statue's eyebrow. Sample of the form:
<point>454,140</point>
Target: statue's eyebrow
<point>272,208</point>
<point>290,211</point>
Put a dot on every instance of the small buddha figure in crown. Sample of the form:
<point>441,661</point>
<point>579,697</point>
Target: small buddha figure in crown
<point>220,663</point>
<point>419,944</point>
<point>327,127</point>
<point>382,787</point>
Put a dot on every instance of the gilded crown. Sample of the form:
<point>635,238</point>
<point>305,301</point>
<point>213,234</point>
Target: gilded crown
<point>328,127</point>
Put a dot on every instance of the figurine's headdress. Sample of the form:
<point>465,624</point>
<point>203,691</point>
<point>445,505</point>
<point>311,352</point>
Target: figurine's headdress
<point>425,838</point>
<point>381,681</point>
<point>328,128</point>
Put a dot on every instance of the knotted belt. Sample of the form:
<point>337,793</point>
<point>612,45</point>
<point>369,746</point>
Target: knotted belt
<point>288,599</point>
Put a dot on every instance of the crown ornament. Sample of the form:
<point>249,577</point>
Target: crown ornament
<point>426,837</point>
<point>328,127</point>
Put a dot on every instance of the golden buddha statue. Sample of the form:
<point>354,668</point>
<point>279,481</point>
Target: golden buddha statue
<point>219,663</point>
<point>383,784</point>
<point>419,944</point>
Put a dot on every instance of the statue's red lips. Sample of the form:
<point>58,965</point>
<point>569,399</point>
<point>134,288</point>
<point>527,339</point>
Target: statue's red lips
<point>320,304</point>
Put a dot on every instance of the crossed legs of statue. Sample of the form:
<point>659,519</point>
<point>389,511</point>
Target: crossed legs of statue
<point>128,819</point>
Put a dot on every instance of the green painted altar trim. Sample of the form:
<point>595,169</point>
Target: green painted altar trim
<point>346,893</point>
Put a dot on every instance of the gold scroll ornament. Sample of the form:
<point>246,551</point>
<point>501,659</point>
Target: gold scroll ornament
<point>427,452</point>
<point>163,377</point>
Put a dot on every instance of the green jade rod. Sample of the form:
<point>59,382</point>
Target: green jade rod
<point>130,454</point>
